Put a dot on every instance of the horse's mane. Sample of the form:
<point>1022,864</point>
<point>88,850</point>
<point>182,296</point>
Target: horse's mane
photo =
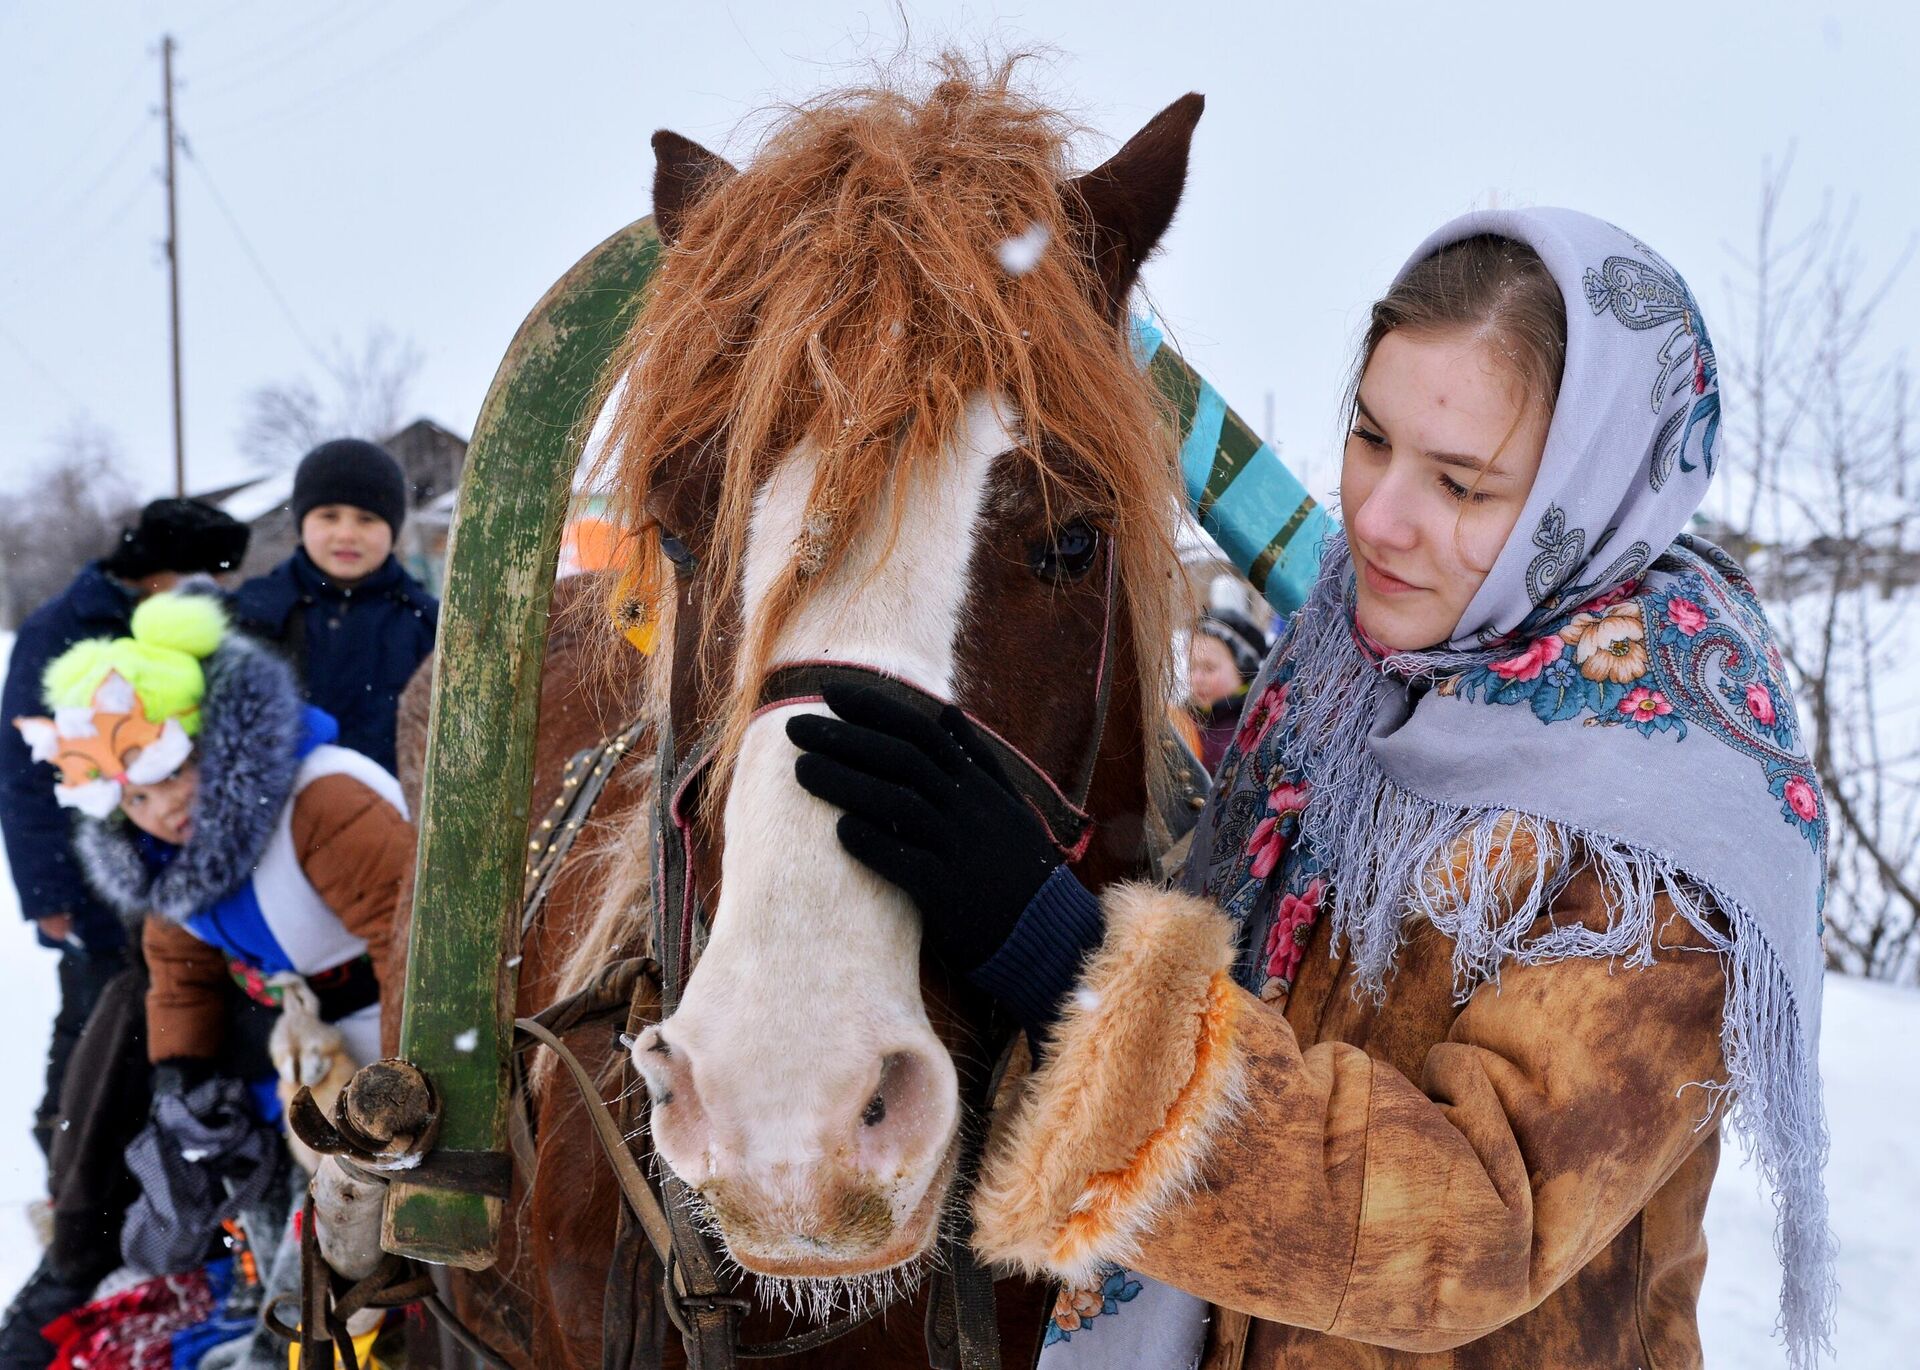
<point>851,287</point>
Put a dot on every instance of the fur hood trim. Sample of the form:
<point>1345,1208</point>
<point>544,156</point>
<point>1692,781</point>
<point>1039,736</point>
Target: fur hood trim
<point>1143,1072</point>
<point>253,727</point>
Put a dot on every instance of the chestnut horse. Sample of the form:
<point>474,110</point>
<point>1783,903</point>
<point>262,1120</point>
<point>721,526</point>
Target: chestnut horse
<point>879,410</point>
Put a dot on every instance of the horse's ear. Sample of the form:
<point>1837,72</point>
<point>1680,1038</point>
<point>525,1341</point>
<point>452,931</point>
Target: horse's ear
<point>684,173</point>
<point>1123,206</point>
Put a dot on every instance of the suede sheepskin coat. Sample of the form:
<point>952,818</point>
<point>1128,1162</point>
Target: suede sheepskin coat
<point>1516,1180</point>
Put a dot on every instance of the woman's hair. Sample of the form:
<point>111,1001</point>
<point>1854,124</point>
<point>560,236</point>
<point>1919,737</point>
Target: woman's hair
<point>1495,290</point>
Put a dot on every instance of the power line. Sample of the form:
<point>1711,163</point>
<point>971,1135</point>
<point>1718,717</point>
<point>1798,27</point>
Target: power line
<point>296,36</point>
<point>73,205</point>
<point>414,48</point>
<point>32,359</point>
<point>329,26</point>
<point>58,220</point>
<point>218,17</point>
<point>109,117</point>
<point>253,256</point>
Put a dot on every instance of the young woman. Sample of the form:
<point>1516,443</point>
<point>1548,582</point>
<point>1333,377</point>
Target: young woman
<point>1508,892</point>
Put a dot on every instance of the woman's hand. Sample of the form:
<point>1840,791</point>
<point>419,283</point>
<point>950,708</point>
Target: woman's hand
<point>928,808</point>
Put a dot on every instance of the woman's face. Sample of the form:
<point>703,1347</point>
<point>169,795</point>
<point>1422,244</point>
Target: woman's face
<point>1442,453</point>
<point>165,809</point>
<point>1211,676</point>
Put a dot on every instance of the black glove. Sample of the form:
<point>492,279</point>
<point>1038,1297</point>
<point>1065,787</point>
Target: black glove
<point>180,1074</point>
<point>928,808</point>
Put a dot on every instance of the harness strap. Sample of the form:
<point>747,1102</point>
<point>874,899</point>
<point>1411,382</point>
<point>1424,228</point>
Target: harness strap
<point>962,1327</point>
<point>633,1185</point>
<point>708,1319</point>
<point>581,784</point>
<point>321,1330</point>
<point>696,1301</point>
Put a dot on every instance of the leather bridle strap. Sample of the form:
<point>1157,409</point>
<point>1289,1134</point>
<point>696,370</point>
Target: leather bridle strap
<point>699,1301</point>
<point>1062,808</point>
<point>687,1303</point>
<point>1068,825</point>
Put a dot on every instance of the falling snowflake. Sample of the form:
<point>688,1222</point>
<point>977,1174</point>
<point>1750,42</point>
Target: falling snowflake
<point>1022,253</point>
<point>467,1040</point>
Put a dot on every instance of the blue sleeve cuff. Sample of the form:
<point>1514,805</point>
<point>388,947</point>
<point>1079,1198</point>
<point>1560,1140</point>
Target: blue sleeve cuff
<point>1040,960</point>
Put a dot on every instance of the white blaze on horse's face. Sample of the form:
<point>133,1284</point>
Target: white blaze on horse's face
<point>799,1086</point>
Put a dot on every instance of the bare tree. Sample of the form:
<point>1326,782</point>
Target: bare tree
<point>71,513</point>
<point>362,395</point>
<point>1825,441</point>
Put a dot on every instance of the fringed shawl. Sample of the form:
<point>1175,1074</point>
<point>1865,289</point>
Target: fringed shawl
<point>1613,699</point>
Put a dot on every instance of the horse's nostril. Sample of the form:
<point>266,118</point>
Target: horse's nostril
<point>875,1112</point>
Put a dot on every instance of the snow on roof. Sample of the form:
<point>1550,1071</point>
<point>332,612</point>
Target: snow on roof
<point>262,497</point>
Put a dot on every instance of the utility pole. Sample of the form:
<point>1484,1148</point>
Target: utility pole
<point>173,273</point>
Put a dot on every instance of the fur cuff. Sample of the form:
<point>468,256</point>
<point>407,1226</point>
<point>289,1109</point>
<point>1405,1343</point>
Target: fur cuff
<point>1141,1072</point>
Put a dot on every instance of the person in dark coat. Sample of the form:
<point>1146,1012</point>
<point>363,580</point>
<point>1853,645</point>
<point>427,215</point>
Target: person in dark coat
<point>173,537</point>
<point>352,620</point>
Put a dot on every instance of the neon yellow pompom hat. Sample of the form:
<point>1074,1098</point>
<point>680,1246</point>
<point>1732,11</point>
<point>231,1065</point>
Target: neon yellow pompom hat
<point>126,709</point>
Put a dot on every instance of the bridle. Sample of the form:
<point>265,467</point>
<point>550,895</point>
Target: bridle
<point>962,1313</point>
<point>1062,808</point>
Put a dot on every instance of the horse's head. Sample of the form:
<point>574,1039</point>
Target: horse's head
<point>880,409</point>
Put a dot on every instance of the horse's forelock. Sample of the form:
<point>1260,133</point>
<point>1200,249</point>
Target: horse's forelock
<point>886,256</point>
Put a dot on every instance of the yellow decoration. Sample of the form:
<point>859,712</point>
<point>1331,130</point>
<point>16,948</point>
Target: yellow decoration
<point>362,1350</point>
<point>643,636</point>
<point>632,596</point>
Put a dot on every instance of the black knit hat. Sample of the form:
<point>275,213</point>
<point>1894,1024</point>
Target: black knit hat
<point>351,471</point>
<point>181,535</point>
<point>1246,643</point>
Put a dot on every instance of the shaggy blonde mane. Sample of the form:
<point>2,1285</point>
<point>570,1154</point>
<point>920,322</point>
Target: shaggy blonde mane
<point>850,288</point>
<point>847,289</point>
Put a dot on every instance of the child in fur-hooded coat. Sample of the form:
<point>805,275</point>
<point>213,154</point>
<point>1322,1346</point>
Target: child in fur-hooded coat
<point>217,807</point>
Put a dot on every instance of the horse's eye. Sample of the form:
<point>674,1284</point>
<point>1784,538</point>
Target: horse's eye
<point>675,550</point>
<point>1070,550</point>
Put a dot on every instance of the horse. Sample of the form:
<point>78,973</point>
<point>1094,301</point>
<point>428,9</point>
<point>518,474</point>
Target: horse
<point>879,415</point>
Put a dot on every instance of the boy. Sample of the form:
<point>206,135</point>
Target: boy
<point>351,619</point>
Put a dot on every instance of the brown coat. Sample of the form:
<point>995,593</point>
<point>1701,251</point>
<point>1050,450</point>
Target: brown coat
<point>1516,1180</point>
<point>354,848</point>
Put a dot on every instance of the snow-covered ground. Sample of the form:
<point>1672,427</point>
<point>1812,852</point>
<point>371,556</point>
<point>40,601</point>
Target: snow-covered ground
<point>1868,1057</point>
<point>1872,1077</point>
<point>28,998</point>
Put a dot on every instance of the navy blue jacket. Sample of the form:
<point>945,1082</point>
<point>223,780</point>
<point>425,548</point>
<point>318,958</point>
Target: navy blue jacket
<point>354,647</point>
<point>38,831</point>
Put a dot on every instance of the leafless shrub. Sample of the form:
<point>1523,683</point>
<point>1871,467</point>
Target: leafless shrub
<point>1824,435</point>
<point>71,513</point>
<point>362,394</point>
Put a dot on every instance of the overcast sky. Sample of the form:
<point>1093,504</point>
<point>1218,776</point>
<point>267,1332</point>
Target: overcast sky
<point>429,168</point>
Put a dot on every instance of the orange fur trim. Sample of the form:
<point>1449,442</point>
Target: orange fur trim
<point>1143,1071</point>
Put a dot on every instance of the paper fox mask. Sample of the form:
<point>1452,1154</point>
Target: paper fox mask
<point>103,745</point>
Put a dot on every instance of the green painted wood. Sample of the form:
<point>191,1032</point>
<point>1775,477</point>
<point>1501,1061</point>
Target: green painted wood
<point>457,1025</point>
